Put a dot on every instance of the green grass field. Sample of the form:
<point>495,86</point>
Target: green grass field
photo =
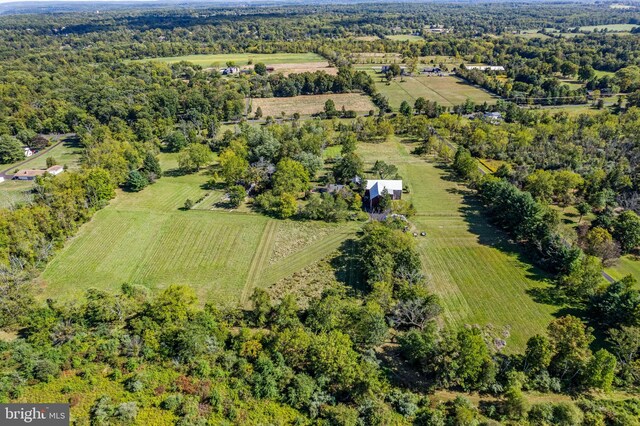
<point>480,276</point>
<point>609,27</point>
<point>447,91</point>
<point>242,58</point>
<point>144,238</point>
<point>626,265</point>
<point>404,37</point>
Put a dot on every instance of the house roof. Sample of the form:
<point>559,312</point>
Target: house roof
<point>30,173</point>
<point>376,187</point>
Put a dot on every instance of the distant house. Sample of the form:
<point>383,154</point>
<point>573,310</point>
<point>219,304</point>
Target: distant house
<point>230,71</point>
<point>31,174</point>
<point>437,29</point>
<point>493,117</point>
<point>386,68</point>
<point>375,189</point>
<point>28,174</point>
<point>485,67</point>
<point>27,151</point>
<point>431,70</point>
<point>55,170</point>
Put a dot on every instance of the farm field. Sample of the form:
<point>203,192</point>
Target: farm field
<point>447,91</point>
<point>609,27</point>
<point>478,274</point>
<point>404,37</point>
<point>298,68</point>
<point>310,104</point>
<point>241,59</point>
<point>145,239</point>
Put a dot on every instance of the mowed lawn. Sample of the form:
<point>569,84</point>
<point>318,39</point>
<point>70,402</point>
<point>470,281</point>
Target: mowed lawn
<point>144,238</point>
<point>478,274</point>
<point>311,104</point>
<point>447,90</point>
<point>626,265</point>
<point>243,59</point>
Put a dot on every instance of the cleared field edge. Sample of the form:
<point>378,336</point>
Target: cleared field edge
<point>308,255</point>
<point>239,58</point>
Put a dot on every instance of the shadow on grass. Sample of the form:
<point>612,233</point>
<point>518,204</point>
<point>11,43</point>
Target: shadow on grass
<point>348,268</point>
<point>174,173</point>
<point>474,214</point>
<point>73,142</point>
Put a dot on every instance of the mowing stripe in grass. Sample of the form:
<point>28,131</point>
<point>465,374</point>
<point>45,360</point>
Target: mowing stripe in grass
<point>260,259</point>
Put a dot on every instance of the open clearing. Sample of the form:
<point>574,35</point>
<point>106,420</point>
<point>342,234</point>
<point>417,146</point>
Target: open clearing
<point>310,104</point>
<point>297,68</point>
<point>609,28</point>
<point>404,37</point>
<point>478,274</point>
<point>243,59</point>
<point>144,238</point>
<point>447,91</point>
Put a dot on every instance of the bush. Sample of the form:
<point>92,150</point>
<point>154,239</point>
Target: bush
<point>136,181</point>
<point>237,193</point>
<point>45,370</point>
<point>172,402</point>
<point>127,412</point>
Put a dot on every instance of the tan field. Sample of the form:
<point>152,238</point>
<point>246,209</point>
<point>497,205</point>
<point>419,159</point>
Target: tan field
<point>287,69</point>
<point>311,104</point>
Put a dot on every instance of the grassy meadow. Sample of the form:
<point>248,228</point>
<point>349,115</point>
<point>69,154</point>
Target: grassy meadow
<point>447,90</point>
<point>310,104</point>
<point>609,27</point>
<point>241,59</point>
<point>480,276</point>
<point>145,238</point>
<point>404,37</point>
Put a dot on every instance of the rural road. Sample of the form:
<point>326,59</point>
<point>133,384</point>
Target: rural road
<point>7,174</point>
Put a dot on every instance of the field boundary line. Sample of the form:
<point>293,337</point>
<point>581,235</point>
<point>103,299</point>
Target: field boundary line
<point>297,261</point>
<point>259,259</point>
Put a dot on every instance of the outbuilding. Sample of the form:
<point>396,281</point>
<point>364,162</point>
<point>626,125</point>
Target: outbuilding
<point>376,188</point>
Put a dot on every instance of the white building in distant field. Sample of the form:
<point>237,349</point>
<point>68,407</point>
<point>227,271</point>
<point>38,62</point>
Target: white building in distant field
<point>485,67</point>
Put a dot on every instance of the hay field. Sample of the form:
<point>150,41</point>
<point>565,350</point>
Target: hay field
<point>310,104</point>
<point>480,276</point>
